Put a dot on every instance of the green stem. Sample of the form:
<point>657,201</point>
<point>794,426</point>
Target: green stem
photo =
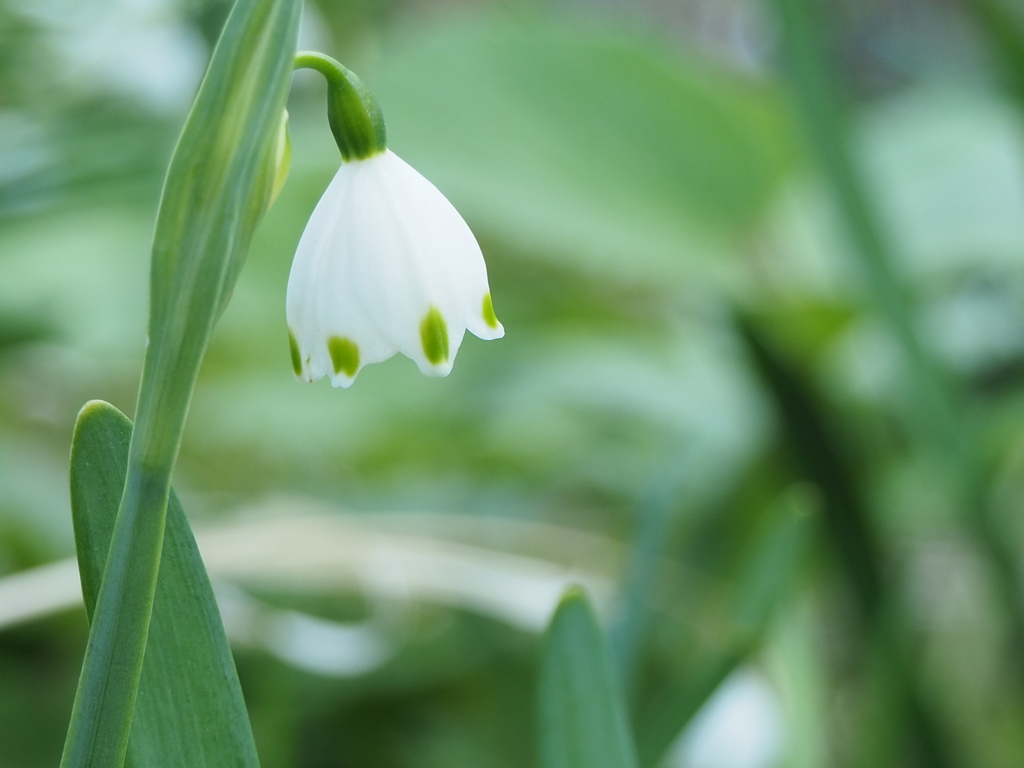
<point>113,658</point>
<point>354,115</point>
<point>124,605</point>
<point>117,644</point>
<point>218,185</point>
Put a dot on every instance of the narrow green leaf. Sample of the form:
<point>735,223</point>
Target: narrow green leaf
<point>582,716</point>
<point>217,188</point>
<point>189,711</point>
<point>767,575</point>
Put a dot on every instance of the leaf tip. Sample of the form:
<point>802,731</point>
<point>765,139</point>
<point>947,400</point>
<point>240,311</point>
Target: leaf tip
<point>574,598</point>
<point>92,407</point>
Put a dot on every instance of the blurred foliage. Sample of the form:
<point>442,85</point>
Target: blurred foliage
<point>687,336</point>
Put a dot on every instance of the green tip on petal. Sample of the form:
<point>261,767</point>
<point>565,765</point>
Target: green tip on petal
<point>489,317</point>
<point>296,357</point>
<point>434,337</point>
<point>344,355</point>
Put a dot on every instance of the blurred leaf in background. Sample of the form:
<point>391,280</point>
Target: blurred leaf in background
<point>637,181</point>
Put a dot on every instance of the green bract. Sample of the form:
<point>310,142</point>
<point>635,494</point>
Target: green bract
<point>218,186</point>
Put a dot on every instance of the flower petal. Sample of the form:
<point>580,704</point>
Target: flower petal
<point>451,252</point>
<point>385,264</point>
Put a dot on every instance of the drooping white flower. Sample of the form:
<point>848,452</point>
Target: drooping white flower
<point>386,264</point>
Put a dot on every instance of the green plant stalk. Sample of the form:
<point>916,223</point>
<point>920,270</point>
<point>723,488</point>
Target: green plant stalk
<point>936,413</point>
<point>218,187</point>
<point>101,717</point>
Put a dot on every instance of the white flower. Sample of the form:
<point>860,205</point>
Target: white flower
<point>385,265</point>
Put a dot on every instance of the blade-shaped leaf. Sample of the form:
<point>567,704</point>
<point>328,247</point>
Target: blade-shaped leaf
<point>189,710</point>
<point>582,715</point>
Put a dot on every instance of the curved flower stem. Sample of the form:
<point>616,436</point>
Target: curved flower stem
<point>354,115</point>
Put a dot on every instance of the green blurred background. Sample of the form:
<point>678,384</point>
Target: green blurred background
<point>800,518</point>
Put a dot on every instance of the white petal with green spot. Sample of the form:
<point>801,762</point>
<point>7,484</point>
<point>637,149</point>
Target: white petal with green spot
<point>387,265</point>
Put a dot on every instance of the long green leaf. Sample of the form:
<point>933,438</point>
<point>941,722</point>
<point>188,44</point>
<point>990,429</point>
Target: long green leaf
<point>218,186</point>
<point>582,715</point>
<point>189,711</point>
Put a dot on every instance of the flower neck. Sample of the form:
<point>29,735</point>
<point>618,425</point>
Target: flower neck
<point>354,115</point>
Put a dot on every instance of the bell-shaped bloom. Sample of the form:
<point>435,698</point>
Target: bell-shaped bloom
<point>385,265</point>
